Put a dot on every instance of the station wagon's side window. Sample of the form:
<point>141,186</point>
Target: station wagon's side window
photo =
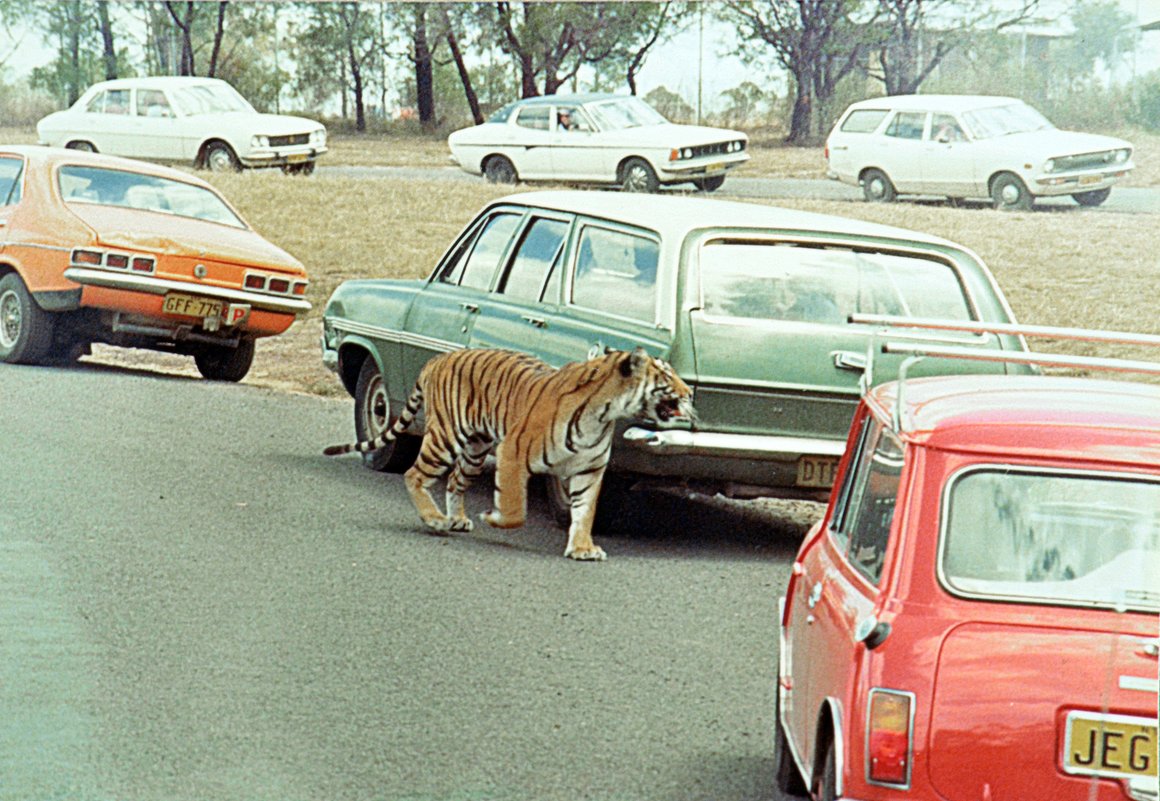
<point>535,117</point>
<point>475,263</point>
<point>862,525</point>
<point>907,125</point>
<point>537,254</point>
<point>10,183</point>
<point>111,101</point>
<point>945,128</point>
<point>864,120</point>
<point>616,272</point>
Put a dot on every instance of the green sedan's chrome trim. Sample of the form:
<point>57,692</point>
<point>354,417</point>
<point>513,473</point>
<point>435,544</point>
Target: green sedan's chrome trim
<point>159,286</point>
<point>392,335</point>
<point>738,446</point>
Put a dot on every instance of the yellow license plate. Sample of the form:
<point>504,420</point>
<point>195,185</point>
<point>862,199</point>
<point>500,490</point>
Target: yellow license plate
<point>1090,179</point>
<point>715,167</point>
<point>297,158</point>
<point>191,305</point>
<point>1116,746</point>
<point>816,471</point>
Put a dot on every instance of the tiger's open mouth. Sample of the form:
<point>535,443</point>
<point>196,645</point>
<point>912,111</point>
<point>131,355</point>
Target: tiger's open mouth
<point>668,409</point>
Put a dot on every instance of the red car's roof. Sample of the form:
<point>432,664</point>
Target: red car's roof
<point>1070,418</point>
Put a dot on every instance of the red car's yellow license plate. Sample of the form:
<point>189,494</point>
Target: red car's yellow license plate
<point>191,305</point>
<point>1110,745</point>
<point>816,471</point>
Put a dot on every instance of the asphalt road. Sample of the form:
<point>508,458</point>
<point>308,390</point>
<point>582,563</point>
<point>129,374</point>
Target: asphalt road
<point>1132,200</point>
<point>195,604</point>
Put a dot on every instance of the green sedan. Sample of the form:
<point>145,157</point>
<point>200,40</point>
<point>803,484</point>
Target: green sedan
<point>749,303</point>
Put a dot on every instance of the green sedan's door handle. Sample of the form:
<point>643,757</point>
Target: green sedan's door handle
<point>538,322</point>
<point>848,360</point>
<point>469,307</point>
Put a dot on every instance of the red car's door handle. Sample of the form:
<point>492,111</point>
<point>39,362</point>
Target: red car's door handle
<point>815,595</point>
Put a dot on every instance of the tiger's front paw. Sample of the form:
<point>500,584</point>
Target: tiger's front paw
<point>444,526</point>
<point>591,554</point>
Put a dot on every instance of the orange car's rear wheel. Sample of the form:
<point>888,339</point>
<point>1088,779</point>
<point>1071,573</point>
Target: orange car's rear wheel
<point>223,363</point>
<point>25,329</point>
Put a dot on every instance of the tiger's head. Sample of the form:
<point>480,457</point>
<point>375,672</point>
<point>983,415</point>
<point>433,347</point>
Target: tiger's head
<point>661,392</point>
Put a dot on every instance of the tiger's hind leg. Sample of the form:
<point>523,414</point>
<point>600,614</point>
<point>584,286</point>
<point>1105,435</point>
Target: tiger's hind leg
<point>584,489</point>
<point>432,463</point>
<point>468,468</point>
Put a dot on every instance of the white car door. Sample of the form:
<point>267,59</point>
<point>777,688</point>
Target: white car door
<point>903,149</point>
<point>106,122</point>
<point>532,140</point>
<point>577,154</point>
<point>949,160</point>
<point>156,130</point>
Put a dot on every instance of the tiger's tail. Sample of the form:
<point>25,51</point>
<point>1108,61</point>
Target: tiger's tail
<point>401,424</point>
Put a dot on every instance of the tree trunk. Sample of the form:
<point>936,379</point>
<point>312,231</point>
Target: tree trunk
<point>424,74</point>
<point>109,49</point>
<point>185,26</point>
<point>219,31</point>
<point>464,74</point>
<point>799,126</point>
<point>360,114</point>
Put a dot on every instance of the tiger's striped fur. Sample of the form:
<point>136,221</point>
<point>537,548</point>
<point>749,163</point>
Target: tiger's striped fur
<point>536,419</point>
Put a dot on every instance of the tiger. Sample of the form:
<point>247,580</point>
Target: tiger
<point>536,419</point>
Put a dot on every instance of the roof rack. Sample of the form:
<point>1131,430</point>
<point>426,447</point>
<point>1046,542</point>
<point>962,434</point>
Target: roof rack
<point>918,347</point>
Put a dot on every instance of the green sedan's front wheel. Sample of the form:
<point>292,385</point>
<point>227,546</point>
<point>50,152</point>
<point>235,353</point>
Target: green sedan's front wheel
<point>372,416</point>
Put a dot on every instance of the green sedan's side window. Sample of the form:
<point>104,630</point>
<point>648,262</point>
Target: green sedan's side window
<point>616,272</point>
<point>475,264</point>
<point>10,184</point>
<point>537,254</point>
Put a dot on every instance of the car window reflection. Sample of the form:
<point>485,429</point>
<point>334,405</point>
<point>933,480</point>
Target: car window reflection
<point>10,183</point>
<point>133,190</point>
<point>538,252</point>
<point>616,272</point>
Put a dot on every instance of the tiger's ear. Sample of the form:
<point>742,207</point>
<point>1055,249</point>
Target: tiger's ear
<point>635,362</point>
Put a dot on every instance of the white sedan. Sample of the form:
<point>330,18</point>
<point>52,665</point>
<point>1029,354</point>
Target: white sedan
<point>200,120</point>
<point>970,146</point>
<point>596,138</point>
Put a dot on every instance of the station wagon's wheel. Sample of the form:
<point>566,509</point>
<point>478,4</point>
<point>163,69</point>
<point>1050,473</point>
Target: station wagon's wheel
<point>25,329</point>
<point>499,170</point>
<point>637,176</point>
<point>220,157</point>
<point>1009,193</point>
<point>877,188</point>
<point>710,184</point>
<point>1092,198</point>
<point>80,144</point>
<point>372,416</point>
<point>223,363</point>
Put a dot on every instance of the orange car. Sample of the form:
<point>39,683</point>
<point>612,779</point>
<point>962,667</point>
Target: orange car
<point>101,249</point>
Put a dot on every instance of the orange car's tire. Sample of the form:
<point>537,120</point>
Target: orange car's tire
<point>372,415</point>
<point>222,363</point>
<point>26,330</point>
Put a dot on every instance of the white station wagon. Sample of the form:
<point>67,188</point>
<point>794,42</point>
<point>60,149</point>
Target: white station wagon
<point>970,146</point>
<point>596,138</point>
<point>199,120</point>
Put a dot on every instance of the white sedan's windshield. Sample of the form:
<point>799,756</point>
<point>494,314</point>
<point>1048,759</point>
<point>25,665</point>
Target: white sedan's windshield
<point>986,123</point>
<point>1053,537</point>
<point>209,99</point>
<point>132,190</point>
<point>626,112</point>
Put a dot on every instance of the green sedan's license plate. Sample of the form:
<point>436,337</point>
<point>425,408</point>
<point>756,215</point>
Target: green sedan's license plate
<point>191,305</point>
<point>1115,746</point>
<point>816,471</point>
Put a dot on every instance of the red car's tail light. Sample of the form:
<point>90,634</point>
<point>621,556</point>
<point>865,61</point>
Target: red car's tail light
<point>87,257</point>
<point>889,734</point>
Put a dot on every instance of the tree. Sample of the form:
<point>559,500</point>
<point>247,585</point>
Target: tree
<point>1105,33</point>
<point>818,42</point>
<point>916,35</point>
<point>338,51</point>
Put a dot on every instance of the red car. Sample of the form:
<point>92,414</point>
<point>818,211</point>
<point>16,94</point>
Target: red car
<point>977,615</point>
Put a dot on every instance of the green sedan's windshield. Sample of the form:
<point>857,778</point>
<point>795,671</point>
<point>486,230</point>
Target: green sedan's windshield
<point>782,281</point>
<point>132,190</point>
<point>1043,537</point>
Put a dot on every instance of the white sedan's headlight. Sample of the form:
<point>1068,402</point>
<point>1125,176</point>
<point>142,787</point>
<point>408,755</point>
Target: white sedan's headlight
<point>318,137</point>
<point>259,142</point>
<point>1049,165</point>
<point>1122,155</point>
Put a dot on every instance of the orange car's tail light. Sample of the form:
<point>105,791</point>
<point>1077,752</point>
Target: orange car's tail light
<point>87,257</point>
<point>889,736</point>
<point>300,288</point>
<point>279,285</point>
<point>142,264</point>
<point>255,281</point>
<point>118,261</point>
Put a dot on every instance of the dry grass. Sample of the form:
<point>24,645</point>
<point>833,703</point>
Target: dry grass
<point>1066,266</point>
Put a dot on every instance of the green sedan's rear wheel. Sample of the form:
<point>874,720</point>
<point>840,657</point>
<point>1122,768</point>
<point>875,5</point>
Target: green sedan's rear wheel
<point>372,416</point>
<point>612,509</point>
<point>26,330</point>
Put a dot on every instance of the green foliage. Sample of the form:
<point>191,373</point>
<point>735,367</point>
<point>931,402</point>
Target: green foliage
<point>671,105</point>
<point>1145,109</point>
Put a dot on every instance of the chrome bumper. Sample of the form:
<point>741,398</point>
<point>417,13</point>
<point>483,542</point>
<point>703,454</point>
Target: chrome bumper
<point>159,286</point>
<point>677,442</point>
